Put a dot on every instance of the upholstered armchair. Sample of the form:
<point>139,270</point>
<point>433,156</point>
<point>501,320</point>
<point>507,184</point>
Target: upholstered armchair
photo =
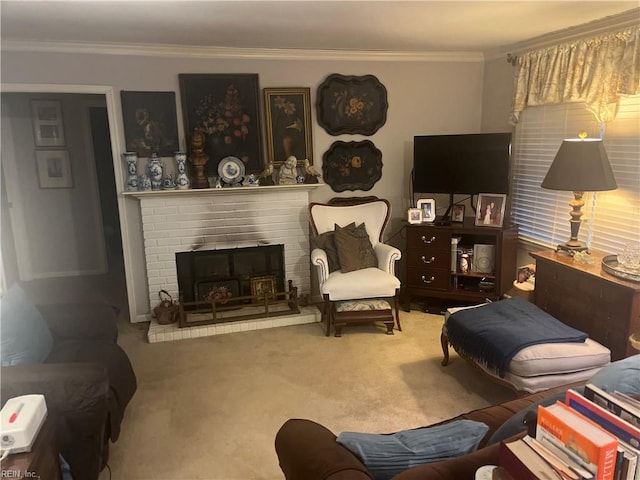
<point>378,279</point>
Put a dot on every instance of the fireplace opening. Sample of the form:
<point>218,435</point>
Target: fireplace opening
<point>226,274</point>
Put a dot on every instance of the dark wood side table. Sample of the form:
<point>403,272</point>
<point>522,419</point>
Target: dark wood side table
<point>41,462</point>
<point>585,297</point>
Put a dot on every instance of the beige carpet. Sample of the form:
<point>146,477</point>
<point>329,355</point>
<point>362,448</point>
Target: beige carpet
<point>209,408</point>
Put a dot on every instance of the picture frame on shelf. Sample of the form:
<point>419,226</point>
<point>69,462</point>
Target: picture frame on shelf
<point>490,210</point>
<point>351,104</point>
<point>428,208</point>
<point>54,169</point>
<point>265,284</point>
<point>457,213</point>
<point>48,124</point>
<point>225,107</point>
<point>414,216</point>
<point>288,124</point>
<point>150,122</point>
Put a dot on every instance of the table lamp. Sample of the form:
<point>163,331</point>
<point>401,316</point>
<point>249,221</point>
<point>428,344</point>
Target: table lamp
<point>581,165</point>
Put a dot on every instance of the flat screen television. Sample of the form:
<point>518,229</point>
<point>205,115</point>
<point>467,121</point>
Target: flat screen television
<point>462,164</point>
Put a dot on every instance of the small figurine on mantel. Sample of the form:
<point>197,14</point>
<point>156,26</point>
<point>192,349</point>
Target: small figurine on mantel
<point>266,177</point>
<point>310,174</point>
<point>288,173</point>
<point>199,159</point>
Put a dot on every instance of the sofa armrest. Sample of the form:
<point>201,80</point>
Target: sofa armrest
<point>387,257</point>
<point>319,259</point>
<point>96,321</point>
<point>308,451</point>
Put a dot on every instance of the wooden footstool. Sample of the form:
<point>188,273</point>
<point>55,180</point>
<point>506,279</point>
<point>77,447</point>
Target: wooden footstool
<point>362,311</point>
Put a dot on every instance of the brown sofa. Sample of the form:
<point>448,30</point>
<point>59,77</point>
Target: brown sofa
<point>308,451</point>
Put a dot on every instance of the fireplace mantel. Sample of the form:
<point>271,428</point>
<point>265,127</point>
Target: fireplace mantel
<point>224,191</point>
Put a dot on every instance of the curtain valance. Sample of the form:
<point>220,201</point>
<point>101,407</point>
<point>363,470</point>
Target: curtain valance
<point>596,71</point>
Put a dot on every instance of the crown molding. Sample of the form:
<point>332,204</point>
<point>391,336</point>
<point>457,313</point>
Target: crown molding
<point>612,23</point>
<point>242,53</point>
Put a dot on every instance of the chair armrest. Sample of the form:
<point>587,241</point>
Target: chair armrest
<point>69,388</point>
<point>387,257</point>
<point>308,451</point>
<point>319,259</point>
<point>96,321</point>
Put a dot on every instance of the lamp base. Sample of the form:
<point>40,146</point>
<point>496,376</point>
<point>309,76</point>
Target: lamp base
<point>571,249</point>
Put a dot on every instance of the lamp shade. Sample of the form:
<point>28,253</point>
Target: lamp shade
<point>581,165</point>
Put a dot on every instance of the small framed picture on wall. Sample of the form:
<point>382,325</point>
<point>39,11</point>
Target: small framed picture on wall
<point>54,169</point>
<point>48,128</point>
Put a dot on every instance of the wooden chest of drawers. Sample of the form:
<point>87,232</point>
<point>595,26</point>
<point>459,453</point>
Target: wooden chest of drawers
<point>586,298</point>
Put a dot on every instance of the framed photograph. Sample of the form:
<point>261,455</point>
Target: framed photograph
<point>150,123</point>
<point>352,165</point>
<point>48,127</point>
<point>54,169</point>
<point>351,104</point>
<point>457,213</point>
<point>288,114</point>
<point>414,215</point>
<point>428,208</point>
<point>225,108</point>
<point>490,210</point>
<point>263,285</point>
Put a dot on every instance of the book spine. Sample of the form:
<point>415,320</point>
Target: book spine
<point>608,402</point>
<point>512,464</point>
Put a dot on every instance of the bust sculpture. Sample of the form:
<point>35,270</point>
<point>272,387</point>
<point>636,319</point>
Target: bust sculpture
<point>287,173</point>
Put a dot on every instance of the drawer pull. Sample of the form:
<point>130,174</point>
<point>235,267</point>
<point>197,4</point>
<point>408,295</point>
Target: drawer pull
<point>429,280</point>
<point>428,261</point>
<point>428,241</point>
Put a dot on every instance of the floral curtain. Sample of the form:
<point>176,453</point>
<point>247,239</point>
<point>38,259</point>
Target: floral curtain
<point>596,71</point>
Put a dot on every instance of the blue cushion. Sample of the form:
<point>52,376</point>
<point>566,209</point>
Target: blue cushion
<point>623,376</point>
<point>24,335</point>
<point>387,455</point>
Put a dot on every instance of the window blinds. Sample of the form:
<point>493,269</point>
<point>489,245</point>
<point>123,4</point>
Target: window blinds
<point>543,215</point>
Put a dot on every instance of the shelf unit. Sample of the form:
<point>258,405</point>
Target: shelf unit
<point>433,270</point>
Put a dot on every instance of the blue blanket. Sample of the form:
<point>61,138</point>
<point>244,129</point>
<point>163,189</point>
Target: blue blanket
<point>493,334</point>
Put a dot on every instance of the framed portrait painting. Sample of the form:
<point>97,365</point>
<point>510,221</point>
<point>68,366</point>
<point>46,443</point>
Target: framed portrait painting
<point>224,107</point>
<point>48,127</point>
<point>54,169</point>
<point>150,123</point>
<point>490,210</point>
<point>288,115</point>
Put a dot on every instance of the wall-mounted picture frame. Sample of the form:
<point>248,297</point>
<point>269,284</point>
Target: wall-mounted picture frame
<point>48,124</point>
<point>261,286</point>
<point>288,119</point>
<point>490,210</point>
<point>428,208</point>
<point>457,213</point>
<point>351,104</point>
<point>54,169</point>
<point>150,122</point>
<point>414,215</point>
<point>352,165</point>
<point>225,107</point>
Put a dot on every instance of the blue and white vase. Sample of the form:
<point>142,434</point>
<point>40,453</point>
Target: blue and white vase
<point>168,183</point>
<point>155,172</point>
<point>144,183</point>
<point>182,180</point>
<point>132,169</point>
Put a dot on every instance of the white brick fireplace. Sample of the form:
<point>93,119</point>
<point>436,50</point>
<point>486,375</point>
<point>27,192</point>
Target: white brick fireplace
<point>179,221</point>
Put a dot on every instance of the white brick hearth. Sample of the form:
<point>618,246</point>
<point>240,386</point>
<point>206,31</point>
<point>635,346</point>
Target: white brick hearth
<point>179,221</point>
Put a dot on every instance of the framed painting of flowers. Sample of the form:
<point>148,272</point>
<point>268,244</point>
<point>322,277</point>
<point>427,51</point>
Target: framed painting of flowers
<point>352,165</point>
<point>351,104</point>
<point>225,108</point>
<point>288,114</point>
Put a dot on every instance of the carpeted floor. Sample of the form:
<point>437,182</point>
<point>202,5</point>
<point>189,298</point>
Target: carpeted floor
<point>209,408</point>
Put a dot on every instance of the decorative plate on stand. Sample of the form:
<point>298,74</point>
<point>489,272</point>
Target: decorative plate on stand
<point>351,104</point>
<point>231,170</point>
<point>352,165</point>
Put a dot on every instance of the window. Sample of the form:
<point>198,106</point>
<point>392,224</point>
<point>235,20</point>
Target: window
<point>543,215</point>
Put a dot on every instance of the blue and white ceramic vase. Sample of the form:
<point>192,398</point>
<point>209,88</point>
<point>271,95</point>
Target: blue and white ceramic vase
<point>182,179</point>
<point>132,169</point>
<point>155,172</point>
<point>144,183</point>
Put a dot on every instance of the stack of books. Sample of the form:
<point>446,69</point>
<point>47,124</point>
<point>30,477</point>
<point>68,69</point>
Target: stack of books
<point>591,436</point>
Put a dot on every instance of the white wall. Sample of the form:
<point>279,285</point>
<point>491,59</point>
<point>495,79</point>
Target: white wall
<point>497,95</point>
<point>62,227</point>
<point>428,97</point>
